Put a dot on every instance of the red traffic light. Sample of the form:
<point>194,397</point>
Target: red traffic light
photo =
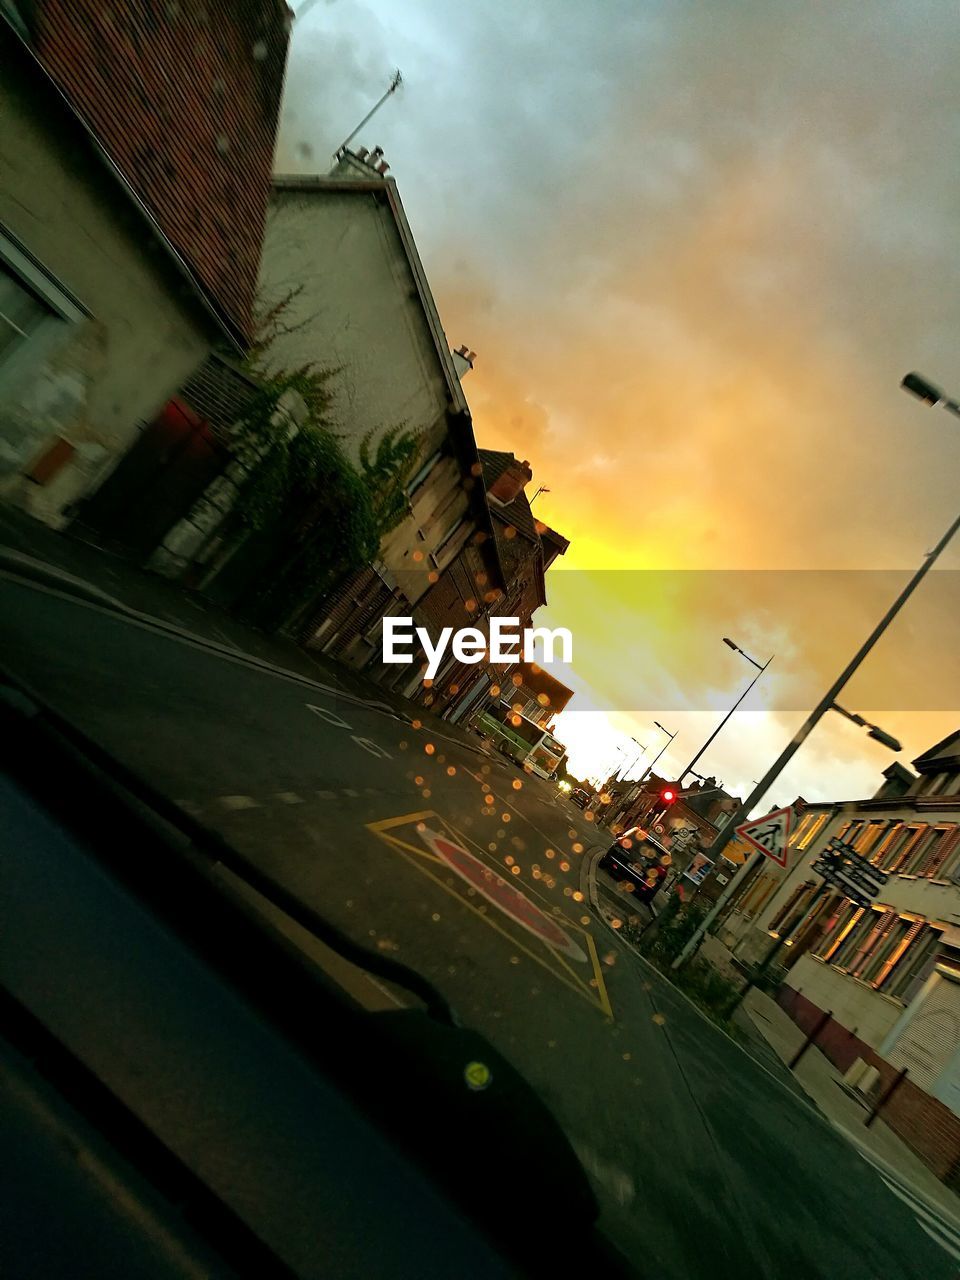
<point>668,795</point>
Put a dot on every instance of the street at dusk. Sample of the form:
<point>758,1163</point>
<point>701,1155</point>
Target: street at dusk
<point>478,625</point>
<point>675,1122</point>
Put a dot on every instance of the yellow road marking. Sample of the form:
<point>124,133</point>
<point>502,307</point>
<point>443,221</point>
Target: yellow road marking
<point>487,918</point>
<point>416,855</point>
<point>386,823</point>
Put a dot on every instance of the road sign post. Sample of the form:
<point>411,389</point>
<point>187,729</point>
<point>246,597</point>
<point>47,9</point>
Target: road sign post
<point>770,835</point>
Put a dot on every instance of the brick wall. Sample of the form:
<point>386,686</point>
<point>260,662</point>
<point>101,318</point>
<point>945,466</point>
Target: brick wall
<point>184,97</point>
<point>922,1122</point>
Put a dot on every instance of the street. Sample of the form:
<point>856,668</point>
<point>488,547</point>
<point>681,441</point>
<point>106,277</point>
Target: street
<point>706,1162</point>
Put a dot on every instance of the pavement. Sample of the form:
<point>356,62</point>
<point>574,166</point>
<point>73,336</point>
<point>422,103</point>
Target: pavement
<point>705,1160</point>
<point>880,1146</point>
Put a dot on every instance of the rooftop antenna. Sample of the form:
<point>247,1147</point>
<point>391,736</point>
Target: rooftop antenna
<point>393,87</point>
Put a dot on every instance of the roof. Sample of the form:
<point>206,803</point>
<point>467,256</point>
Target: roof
<point>941,754</point>
<point>184,102</point>
<point>539,681</point>
<point>516,514</point>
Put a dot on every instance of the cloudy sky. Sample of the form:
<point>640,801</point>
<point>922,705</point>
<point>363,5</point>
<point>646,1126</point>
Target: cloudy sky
<point>695,246</point>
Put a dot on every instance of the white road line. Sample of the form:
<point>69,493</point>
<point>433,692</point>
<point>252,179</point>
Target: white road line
<point>238,802</point>
<point>925,1215</point>
<point>935,1236</point>
<point>355,795</point>
<point>327,795</point>
<point>288,797</point>
<point>148,622</point>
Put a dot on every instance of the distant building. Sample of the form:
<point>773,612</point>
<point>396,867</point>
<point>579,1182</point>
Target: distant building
<point>526,548</point>
<point>136,150</point>
<point>537,694</point>
<point>888,974</point>
<point>688,825</point>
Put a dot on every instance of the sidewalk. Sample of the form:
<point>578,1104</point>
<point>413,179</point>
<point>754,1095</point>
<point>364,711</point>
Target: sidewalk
<point>33,551</point>
<point>822,1083</point>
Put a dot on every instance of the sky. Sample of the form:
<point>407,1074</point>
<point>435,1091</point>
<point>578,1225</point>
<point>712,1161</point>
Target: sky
<point>696,247</point>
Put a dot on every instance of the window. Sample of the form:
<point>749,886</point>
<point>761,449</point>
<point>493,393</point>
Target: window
<point>811,824</point>
<point>934,852</point>
<point>862,925</point>
<point>915,965</point>
<point>21,312</point>
<point>788,917</point>
<point>900,941</point>
<point>420,477</point>
<point>871,942</point>
<point>887,843</point>
<point>906,848</point>
<point>868,837</point>
<point>839,930</point>
<point>445,540</point>
<point>932,784</point>
<point>29,298</point>
<point>849,833</point>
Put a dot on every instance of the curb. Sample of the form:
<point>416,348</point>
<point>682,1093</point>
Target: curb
<point>15,565</point>
<point>30,568</point>
<point>588,876</point>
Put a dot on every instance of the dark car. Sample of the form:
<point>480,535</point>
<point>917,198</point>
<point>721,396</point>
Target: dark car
<point>641,863</point>
<point>580,797</point>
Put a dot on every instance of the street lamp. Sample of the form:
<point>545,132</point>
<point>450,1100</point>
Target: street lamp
<point>874,730</point>
<point>917,385</point>
<point>760,670</point>
<point>649,768</point>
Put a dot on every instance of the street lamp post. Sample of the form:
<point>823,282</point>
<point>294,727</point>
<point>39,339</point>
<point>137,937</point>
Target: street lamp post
<point>649,768</point>
<point>760,670</point>
<point>918,386</point>
<point>636,788</point>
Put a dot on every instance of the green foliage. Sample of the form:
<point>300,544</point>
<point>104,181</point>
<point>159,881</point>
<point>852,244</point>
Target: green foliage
<point>698,979</point>
<point>384,472</point>
<point>300,479</point>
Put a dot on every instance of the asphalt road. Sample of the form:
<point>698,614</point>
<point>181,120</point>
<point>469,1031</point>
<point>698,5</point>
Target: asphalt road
<point>705,1162</point>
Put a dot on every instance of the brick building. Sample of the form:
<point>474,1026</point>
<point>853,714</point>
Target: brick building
<point>526,549</point>
<point>888,974</point>
<point>136,153</point>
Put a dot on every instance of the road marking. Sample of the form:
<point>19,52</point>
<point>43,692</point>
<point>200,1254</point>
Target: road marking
<point>330,716</point>
<point>418,856</point>
<point>288,797</point>
<point>927,1213</point>
<point>354,795</point>
<point>238,802</point>
<point>147,622</point>
<point>373,747</point>
<point>327,795</point>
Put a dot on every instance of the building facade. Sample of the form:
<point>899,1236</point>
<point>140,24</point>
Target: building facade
<point>340,256</point>
<point>128,244</point>
<point>887,974</point>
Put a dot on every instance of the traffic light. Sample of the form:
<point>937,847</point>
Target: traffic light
<point>668,795</point>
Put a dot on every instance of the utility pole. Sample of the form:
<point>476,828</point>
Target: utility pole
<point>786,755</point>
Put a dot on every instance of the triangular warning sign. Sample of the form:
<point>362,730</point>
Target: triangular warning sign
<point>770,834</point>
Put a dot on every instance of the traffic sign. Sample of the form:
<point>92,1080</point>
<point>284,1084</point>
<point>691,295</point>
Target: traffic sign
<point>769,835</point>
<point>854,875</point>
